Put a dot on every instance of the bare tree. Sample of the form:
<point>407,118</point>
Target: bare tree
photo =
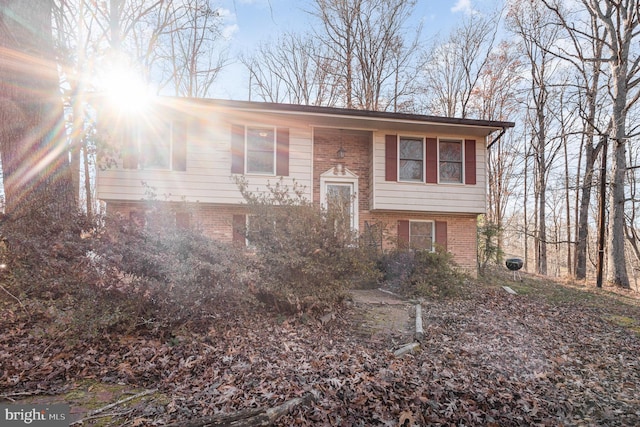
<point>294,69</point>
<point>368,45</point>
<point>583,50</point>
<point>453,68</point>
<point>528,22</point>
<point>191,49</point>
<point>622,22</point>
<point>496,98</point>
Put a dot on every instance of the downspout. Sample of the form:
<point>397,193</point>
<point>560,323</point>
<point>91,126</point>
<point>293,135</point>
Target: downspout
<point>504,129</point>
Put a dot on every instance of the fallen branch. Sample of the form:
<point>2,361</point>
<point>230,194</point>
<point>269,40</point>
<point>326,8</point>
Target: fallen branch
<point>419,329</point>
<point>93,413</point>
<point>408,348</point>
<point>249,417</point>
<point>23,394</point>
<point>17,299</point>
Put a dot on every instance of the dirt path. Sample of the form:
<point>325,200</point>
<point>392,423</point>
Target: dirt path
<point>384,316</point>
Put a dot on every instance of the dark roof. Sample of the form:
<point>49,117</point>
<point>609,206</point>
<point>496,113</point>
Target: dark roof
<point>346,112</point>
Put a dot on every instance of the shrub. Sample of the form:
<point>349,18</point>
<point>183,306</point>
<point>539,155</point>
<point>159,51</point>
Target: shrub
<point>418,273</point>
<point>489,251</point>
<point>48,269</point>
<point>306,257</point>
<point>110,275</point>
<point>180,274</point>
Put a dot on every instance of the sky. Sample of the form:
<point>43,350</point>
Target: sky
<point>250,22</point>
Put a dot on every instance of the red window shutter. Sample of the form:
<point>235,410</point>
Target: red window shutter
<point>282,152</point>
<point>391,158</point>
<point>432,160</point>
<point>237,149</point>
<point>239,229</point>
<point>470,161</point>
<point>130,153</point>
<point>403,234</point>
<point>441,234</point>
<point>179,145</point>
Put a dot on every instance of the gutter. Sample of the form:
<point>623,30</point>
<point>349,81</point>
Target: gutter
<point>504,129</point>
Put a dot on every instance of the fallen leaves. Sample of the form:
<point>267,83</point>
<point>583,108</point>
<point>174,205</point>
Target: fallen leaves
<point>490,360</point>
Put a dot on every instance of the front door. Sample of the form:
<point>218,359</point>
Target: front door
<point>340,204</point>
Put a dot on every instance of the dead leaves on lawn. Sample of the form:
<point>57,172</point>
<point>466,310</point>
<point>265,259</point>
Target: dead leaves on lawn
<point>495,360</point>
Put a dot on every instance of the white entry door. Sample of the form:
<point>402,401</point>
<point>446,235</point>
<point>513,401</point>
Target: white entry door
<point>340,203</point>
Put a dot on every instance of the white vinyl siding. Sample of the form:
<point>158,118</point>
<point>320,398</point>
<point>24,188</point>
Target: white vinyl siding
<point>208,177</point>
<point>421,197</point>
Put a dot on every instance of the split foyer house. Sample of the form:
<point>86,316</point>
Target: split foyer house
<point>411,179</point>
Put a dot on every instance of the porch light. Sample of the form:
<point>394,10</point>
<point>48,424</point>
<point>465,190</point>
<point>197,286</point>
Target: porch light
<point>341,151</point>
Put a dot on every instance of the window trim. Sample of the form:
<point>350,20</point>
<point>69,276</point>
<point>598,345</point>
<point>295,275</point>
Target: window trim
<point>274,150</point>
<point>462,161</point>
<point>424,158</point>
<point>433,232</point>
<point>137,135</point>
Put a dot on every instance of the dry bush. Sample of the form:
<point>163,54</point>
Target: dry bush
<point>180,274</point>
<point>306,257</point>
<point>419,273</point>
<point>110,275</point>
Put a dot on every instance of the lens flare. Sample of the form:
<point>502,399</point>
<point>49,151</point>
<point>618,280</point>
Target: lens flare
<point>126,90</point>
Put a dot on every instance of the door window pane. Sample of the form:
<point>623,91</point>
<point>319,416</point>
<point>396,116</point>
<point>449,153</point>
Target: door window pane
<point>339,203</point>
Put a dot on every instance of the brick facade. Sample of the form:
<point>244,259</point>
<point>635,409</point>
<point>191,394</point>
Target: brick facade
<point>461,233</point>
<point>214,221</point>
<point>358,159</point>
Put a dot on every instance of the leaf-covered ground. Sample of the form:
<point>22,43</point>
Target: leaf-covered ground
<point>551,355</point>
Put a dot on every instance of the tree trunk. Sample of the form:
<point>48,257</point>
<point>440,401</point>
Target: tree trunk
<point>583,224</point>
<point>617,271</point>
<point>33,142</point>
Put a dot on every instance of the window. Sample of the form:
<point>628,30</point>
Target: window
<point>429,160</point>
<point>259,150</point>
<point>261,147</point>
<point>450,160</point>
<point>156,144</point>
<point>411,159</point>
<point>421,235</point>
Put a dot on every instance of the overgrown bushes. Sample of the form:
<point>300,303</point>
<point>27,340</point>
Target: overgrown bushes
<point>306,257</point>
<point>179,274</point>
<point>423,273</point>
<point>114,275</point>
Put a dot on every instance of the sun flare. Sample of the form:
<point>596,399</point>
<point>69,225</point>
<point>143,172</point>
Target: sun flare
<point>126,90</point>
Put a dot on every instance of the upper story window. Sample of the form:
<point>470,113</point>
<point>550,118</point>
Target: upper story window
<point>157,144</point>
<point>450,161</point>
<point>411,159</point>
<point>261,150</point>
<point>430,160</point>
